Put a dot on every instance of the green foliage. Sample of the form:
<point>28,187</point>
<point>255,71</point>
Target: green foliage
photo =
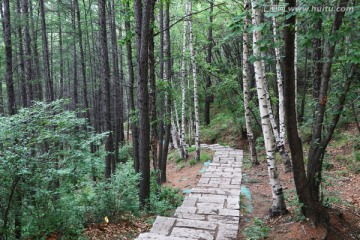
<point>191,149</point>
<point>192,162</point>
<point>45,158</point>
<point>204,156</point>
<point>164,200</point>
<point>125,153</point>
<point>257,231</point>
<point>293,202</point>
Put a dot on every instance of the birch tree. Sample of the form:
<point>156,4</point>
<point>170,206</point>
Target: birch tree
<point>279,131</point>
<point>184,153</point>
<point>246,79</point>
<point>196,101</point>
<point>278,203</point>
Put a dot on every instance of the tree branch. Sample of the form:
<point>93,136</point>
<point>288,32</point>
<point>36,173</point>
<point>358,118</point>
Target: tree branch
<point>182,18</point>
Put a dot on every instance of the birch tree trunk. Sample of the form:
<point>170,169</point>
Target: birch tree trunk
<point>196,100</point>
<point>246,76</point>
<point>279,132</point>
<point>278,203</point>
<point>184,153</point>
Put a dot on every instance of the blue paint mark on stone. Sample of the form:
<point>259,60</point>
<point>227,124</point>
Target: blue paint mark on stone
<point>206,164</point>
<point>186,191</point>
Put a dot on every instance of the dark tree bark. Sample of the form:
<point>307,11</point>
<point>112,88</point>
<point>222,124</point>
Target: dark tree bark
<point>134,128</point>
<point>316,151</point>
<point>75,96</point>
<point>8,58</point>
<point>38,89</point>
<point>208,95</point>
<point>49,90</point>
<point>21,58</point>
<point>142,28</point>
<point>82,60</point>
<point>27,46</point>
<point>61,52</point>
<point>153,119</point>
<point>307,186</point>
<point>109,144</point>
<point>118,101</point>
<point>161,76</point>
<point>168,74</point>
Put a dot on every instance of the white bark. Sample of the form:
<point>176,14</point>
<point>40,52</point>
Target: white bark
<point>246,79</point>
<point>183,92</point>
<point>196,102</point>
<point>278,203</point>
<point>279,131</point>
<point>174,134</point>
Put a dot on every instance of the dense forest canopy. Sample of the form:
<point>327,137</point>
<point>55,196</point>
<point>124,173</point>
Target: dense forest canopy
<point>94,95</point>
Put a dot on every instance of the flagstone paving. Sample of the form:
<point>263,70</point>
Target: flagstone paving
<point>211,210</point>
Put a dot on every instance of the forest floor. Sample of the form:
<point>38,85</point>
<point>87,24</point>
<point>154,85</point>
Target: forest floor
<point>341,190</point>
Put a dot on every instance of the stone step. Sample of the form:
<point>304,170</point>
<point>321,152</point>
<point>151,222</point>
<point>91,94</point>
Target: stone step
<point>211,210</point>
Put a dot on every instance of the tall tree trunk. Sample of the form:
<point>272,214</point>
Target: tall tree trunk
<point>184,152</point>
<point>21,57</point>
<point>8,58</point>
<point>37,76</point>
<point>61,52</point>
<point>49,90</point>
<point>168,74</point>
<point>27,46</point>
<point>153,119</point>
<point>75,97</point>
<point>82,60</point>
<point>142,29</point>
<point>316,151</point>
<point>118,101</point>
<point>246,90</point>
<point>196,100</point>
<point>161,76</point>
<point>278,202</point>
<point>208,94</point>
<point>109,144</point>
<point>134,127</point>
<point>279,132</point>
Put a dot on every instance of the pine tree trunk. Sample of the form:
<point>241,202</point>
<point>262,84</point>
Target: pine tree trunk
<point>208,96</point>
<point>8,58</point>
<point>246,91</point>
<point>196,101</point>
<point>278,203</point>
<point>118,82</point>
<point>109,145</point>
<point>83,64</point>
<point>24,101</point>
<point>61,52</point>
<point>153,119</point>
<point>75,96</point>
<point>37,75</point>
<point>142,29</point>
<point>49,90</point>
<point>167,76</point>
<point>134,128</point>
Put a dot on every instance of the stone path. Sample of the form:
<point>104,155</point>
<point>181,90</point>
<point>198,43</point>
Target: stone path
<point>211,210</point>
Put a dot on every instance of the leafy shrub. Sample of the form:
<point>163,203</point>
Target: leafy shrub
<point>191,149</point>
<point>192,162</point>
<point>125,153</point>
<point>44,159</point>
<point>163,200</point>
<point>258,230</point>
